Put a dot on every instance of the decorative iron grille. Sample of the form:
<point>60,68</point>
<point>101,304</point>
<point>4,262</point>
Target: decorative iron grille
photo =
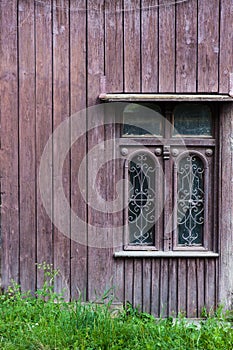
<point>142,197</point>
<point>190,200</point>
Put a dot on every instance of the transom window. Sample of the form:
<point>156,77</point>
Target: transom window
<point>147,120</point>
<point>171,193</point>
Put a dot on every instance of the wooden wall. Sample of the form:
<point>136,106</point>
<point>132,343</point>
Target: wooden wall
<point>55,56</point>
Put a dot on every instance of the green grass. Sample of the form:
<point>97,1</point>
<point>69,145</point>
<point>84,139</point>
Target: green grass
<point>45,321</point>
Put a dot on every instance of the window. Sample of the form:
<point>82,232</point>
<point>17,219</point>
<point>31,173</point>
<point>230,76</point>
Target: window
<point>171,166</point>
<point>147,120</point>
<point>192,120</point>
<point>190,196</point>
<point>142,198</point>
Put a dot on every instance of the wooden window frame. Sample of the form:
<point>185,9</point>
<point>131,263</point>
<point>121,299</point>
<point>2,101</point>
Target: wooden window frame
<point>171,246</point>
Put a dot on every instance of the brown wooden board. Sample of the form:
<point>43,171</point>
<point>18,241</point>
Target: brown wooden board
<point>210,284</point>
<point>149,45</point>
<point>186,46</point>
<point>112,217</point>
<point>191,288</point>
<point>146,285</point>
<point>226,46</point>
<point>100,259</point>
<point>114,45</point>
<point>164,288</point>
<point>172,306</point>
<point>132,46</point>
<point>166,46</point>
<point>208,45</point>
<point>27,178</point>
<point>137,286</point>
<point>114,82</point>
<point>226,205</point>
<point>60,113</point>
<point>129,280</point>
<point>182,286</point>
<point>155,287</point>
<point>200,271</point>
<point>9,143</point>
<point>44,124</point>
<point>78,47</point>
<point>118,220</point>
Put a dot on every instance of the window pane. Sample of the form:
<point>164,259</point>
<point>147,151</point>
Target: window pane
<point>142,120</point>
<point>192,120</point>
<point>141,210</point>
<point>190,205</point>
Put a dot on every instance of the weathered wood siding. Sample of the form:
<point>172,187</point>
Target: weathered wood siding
<point>55,56</point>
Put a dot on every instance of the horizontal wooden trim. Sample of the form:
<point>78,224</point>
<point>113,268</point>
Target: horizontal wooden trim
<point>161,254</point>
<point>160,141</point>
<point>165,97</point>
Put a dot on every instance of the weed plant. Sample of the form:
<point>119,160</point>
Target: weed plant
<point>44,321</point>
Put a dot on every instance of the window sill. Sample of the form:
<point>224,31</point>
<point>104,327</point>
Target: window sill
<point>168,254</point>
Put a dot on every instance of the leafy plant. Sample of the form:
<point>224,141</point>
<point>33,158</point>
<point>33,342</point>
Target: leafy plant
<point>46,321</point>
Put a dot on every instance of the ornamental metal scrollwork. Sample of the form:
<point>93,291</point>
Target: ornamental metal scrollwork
<point>190,200</point>
<point>142,196</point>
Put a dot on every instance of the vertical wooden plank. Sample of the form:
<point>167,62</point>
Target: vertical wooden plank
<point>149,44</point>
<point>27,174</point>
<point>114,46</point>
<point>200,272</point>
<point>61,111</point>
<point>78,49</point>
<point>44,126</point>
<point>191,288</point>
<point>164,287</point>
<point>172,311</point>
<point>182,287</point>
<point>226,45</point>
<point>114,173</point>
<point>166,46</point>
<point>210,284</point>
<point>99,259</point>
<point>118,264</point>
<point>146,285</point>
<point>129,280</point>
<point>132,45</point>
<point>186,46</point>
<point>9,143</point>
<point>137,292</point>
<point>155,288</point>
<point>226,205</point>
<point>217,285</point>
<point>208,45</point>
<point>114,83</point>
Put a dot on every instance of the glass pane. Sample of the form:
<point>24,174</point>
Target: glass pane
<point>192,120</point>
<point>142,120</point>
<point>190,201</point>
<point>141,210</point>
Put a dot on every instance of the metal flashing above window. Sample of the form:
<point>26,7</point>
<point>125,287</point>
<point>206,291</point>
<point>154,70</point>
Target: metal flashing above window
<point>134,97</point>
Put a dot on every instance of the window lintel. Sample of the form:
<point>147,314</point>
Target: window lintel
<point>143,97</point>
